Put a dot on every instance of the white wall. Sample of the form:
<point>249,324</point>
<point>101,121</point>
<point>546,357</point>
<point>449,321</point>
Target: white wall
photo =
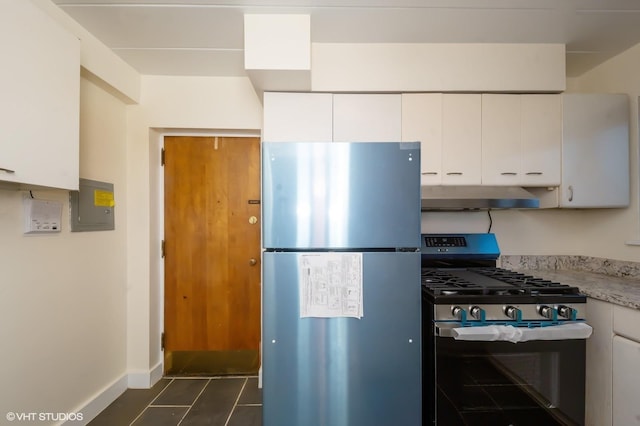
<point>63,296</point>
<point>437,67</point>
<point>598,232</point>
<point>169,105</point>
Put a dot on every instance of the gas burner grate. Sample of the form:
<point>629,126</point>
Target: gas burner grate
<point>489,281</point>
<point>442,282</point>
<point>518,279</point>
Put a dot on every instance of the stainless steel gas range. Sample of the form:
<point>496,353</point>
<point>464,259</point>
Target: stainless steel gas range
<point>499,347</point>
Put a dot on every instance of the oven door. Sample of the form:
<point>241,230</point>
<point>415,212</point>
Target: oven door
<point>536,382</point>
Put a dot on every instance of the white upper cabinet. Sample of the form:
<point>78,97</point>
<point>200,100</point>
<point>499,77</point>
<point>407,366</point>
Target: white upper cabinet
<point>40,102</point>
<point>521,140</point>
<point>324,117</point>
<point>461,139</point>
<point>422,121</point>
<point>578,143</point>
<point>501,147</point>
<point>297,117</point>
<point>541,140</point>
<point>449,129</point>
<point>367,118</point>
<point>595,151</point>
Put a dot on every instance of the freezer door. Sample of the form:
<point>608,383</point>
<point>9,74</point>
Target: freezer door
<point>341,195</point>
<point>343,371</point>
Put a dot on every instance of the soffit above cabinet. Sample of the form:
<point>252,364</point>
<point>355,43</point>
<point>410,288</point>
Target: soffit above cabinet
<point>205,37</point>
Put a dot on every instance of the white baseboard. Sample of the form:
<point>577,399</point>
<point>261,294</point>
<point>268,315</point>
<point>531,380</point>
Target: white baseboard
<point>101,400</point>
<point>145,379</point>
<point>156,373</point>
<point>132,380</point>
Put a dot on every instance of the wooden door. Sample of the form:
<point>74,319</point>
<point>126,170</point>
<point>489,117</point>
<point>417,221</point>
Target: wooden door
<point>212,254</point>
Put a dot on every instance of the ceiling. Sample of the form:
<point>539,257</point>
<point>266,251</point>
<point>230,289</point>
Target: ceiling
<point>205,37</point>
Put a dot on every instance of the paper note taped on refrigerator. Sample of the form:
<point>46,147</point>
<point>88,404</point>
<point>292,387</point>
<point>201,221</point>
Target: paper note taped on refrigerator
<point>330,285</point>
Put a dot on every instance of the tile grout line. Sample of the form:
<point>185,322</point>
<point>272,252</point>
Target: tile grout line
<point>149,404</point>
<point>235,404</point>
<point>170,406</point>
<point>194,401</point>
<point>160,393</point>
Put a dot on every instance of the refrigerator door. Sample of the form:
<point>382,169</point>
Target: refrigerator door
<point>341,195</point>
<point>343,371</point>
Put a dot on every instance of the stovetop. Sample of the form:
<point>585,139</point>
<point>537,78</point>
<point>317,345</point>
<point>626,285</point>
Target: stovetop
<point>488,281</point>
<point>491,281</point>
<point>461,268</point>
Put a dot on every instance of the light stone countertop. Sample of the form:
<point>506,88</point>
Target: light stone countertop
<point>620,284</point>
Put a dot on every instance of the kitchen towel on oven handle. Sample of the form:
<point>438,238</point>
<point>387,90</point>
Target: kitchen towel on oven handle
<point>509,333</point>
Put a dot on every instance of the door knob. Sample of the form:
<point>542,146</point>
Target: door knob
<point>253,261</point>
<point>253,220</point>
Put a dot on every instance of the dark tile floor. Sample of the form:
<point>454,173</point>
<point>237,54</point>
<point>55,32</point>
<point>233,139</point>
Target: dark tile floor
<point>188,401</point>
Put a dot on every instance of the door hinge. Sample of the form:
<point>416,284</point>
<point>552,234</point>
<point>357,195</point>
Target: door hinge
<point>162,341</point>
<point>162,249</point>
<point>162,157</point>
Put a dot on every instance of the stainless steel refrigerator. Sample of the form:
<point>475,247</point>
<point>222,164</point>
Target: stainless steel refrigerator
<point>341,284</point>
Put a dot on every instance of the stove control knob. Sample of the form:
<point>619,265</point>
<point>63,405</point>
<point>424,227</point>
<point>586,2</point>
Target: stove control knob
<point>547,312</point>
<point>567,312</point>
<point>477,312</point>
<point>513,313</point>
<point>458,313</point>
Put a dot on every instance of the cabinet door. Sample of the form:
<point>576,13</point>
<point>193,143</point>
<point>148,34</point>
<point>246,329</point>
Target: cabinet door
<point>541,139</point>
<point>40,101</point>
<point>461,139</point>
<point>598,364</point>
<point>297,117</point>
<point>501,153</point>
<point>626,382</point>
<point>367,118</point>
<point>422,121</point>
<point>595,151</point>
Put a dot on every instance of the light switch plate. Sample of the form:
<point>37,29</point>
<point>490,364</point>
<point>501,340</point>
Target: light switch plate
<point>41,216</point>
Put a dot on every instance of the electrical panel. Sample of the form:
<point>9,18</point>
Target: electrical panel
<point>92,206</point>
<point>41,216</point>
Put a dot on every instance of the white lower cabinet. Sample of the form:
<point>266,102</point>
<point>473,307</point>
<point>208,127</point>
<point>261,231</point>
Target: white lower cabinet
<point>626,366</point>
<point>626,382</point>
<point>599,364</point>
<point>613,365</point>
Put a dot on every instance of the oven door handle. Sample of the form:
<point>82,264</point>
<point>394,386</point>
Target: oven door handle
<point>509,333</point>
